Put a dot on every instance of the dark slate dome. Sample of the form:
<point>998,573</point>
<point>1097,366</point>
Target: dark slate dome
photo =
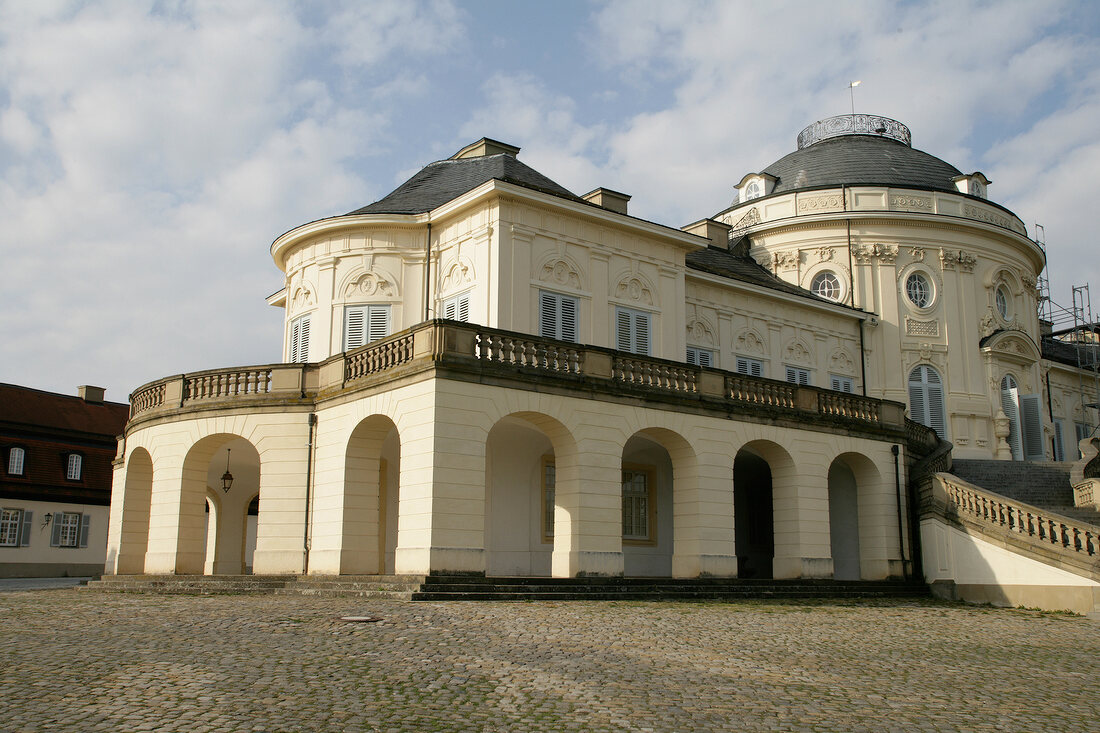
<point>863,150</point>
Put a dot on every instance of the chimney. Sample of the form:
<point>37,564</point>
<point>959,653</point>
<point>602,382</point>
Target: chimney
<point>486,146</point>
<point>607,199</point>
<point>717,232</point>
<point>93,395</point>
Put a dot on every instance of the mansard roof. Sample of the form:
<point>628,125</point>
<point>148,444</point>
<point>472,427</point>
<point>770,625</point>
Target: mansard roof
<point>722,262</point>
<point>445,180</point>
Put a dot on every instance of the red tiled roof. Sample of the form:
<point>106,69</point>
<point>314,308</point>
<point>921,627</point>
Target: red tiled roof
<point>51,411</point>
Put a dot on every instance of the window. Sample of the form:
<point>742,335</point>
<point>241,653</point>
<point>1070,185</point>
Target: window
<point>841,384</point>
<point>752,367</point>
<point>798,376</point>
<point>549,482</point>
<point>826,285</point>
<point>632,331</point>
<point>700,357</point>
<point>637,505</point>
<point>1025,421</point>
<point>926,399</point>
<point>73,469</point>
<point>299,339</point>
<point>558,315</point>
<point>1059,440</point>
<point>15,527</point>
<point>15,461</point>
<point>457,308</point>
<point>919,289</point>
<point>1003,302</point>
<point>70,530</point>
<point>365,323</point>
<point>754,189</point>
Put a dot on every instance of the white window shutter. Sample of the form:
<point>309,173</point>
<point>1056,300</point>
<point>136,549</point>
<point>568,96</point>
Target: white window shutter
<point>449,308</point>
<point>622,330</point>
<point>354,327</point>
<point>295,337</point>
<point>548,315</point>
<point>792,375</point>
<point>85,525</point>
<point>704,358</point>
<point>25,529</point>
<point>55,535</point>
<point>568,319</point>
<point>379,322</point>
<point>1031,419</point>
<point>1010,403</point>
<point>1059,441</point>
<point>937,417</point>
<point>463,313</point>
<point>642,331</point>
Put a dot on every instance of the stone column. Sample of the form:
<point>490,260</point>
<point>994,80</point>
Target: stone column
<point>800,501</point>
<point>702,497</point>
<point>588,525</point>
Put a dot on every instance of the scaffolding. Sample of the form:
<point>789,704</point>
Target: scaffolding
<point>1075,327</point>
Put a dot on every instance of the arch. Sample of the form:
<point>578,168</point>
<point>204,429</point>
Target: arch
<point>210,548</point>
<point>926,398</point>
<point>129,558</point>
<point>765,495</point>
<point>529,468</point>
<point>844,524</point>
<point>366,529</point>
<point>248,532</point>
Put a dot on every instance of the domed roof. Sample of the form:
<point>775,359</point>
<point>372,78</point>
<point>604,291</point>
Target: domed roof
<point>862,150</point>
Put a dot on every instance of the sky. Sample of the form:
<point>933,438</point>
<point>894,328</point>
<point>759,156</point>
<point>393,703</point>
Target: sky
<point>150,152</point>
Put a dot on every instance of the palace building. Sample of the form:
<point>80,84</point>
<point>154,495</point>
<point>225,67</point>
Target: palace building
<point>485,373</point>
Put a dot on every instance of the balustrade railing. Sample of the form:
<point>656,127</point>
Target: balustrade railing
<point>654,374</point>
<point>760,392</point>
<point>211,385</point>
<point>378,358</point>
<point>498,348</point>
<point>147,399</point>
<point>1001,513</point>
<point>854,407</point>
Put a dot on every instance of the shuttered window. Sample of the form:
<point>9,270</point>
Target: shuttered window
<point>1059,440</point>
<point>632,331</point>
<point>70,530</point>
<point>636,505</point>
<point>841,384</point>
<point>299,339</point>
<point>15,461</point>
<point>457,308</point>
<point>926,399</point>
<point>798,376</point>
<point>10,523</point>
<point>558,316</point>
<point>365,323</point>
<point>1025,421</point>
<point>549,483</point>
<point>700,357</point>
<point>752,367</point>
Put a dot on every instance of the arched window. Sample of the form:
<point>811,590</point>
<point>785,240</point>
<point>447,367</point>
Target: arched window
<point>926,399</point>
<point>1003,302</point>
<point>827,285</point>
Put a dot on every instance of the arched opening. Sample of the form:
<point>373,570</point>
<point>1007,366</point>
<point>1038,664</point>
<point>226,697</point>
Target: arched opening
<point>203,467</point>
<point>372,468</point>
<point>251,524</point>
<point>654,461</point>
<point>134,537</point>
<point>754,533</point>
<point>522,511</point>
<point>844,521</point>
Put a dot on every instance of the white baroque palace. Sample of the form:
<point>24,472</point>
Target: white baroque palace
<point>485,373</point>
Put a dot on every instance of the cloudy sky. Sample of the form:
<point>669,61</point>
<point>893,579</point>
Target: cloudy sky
<point>151,151</point>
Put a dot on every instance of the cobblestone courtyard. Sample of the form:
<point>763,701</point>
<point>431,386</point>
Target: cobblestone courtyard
<point>85,661</point>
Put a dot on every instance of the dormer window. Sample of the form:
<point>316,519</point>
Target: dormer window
<point>753,186</point>
<point>754,189</point>
<point>973,184</point>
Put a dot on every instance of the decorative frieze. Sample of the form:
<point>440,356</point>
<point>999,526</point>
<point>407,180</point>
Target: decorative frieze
<point>865,254</point>
<point>990,217</point>
<point>829,202</point>
<point>910,202</point>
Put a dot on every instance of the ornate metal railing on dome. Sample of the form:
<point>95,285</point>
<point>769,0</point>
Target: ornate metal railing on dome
<point>854,125</point>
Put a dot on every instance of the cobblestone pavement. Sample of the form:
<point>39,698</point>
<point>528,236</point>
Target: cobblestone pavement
<point>89,661</point>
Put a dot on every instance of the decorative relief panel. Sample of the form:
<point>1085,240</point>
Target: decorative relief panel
<point>748,220</point>
<point>842,362</point>
<point>699,332</point>
<point>917,253</point>
<point>825,254</point>
<point>457,276</point>
<point>749,342</point>
<point>950,259</point>
<point>634,288</point>
<point>909,202</point>
<point>371,284</point>
<point>865,254</point>
<point>562,272</point>
<point>831,202</point>
<point>787,260</point>
<point>989,217</point>
<point>302,297</point>
<point>798,352</point>
<point>914,327</point>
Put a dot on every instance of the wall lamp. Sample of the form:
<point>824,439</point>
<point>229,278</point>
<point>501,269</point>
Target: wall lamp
<point>47,519</point>
<point>227,478</point>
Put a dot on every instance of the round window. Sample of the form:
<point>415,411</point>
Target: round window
<point>827,285</point>
<point>755,189</point>
<point>919,290</point>
<point>1003,303</point>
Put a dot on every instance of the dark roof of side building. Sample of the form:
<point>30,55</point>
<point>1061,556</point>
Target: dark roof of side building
<point>864,160</point>
<point>721,262</point>
<point>33,408</point>
<point>445,180</point>
<point>1062,352</point>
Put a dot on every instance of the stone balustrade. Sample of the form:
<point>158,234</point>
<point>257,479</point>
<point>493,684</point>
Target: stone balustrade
<point>461,347</point>
<point>995,513</point>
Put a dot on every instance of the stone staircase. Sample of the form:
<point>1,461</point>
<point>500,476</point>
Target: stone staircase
<point>480,588</point>
<point>1041,484</point>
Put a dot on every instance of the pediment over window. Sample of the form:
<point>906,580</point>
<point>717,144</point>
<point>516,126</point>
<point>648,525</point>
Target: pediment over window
<point>371,284</point>
<point>562,272</point>
<point>635,288</point>
<point>1012,345</point>
<point>699,332</point>
<point>457,275</point>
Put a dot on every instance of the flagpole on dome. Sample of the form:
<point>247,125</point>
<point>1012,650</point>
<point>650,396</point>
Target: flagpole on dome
<point>851,90</point>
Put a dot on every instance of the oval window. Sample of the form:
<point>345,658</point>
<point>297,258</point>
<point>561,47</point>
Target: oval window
<point>919,290</point>
<point>827,285</point>
<point>1004,303</point>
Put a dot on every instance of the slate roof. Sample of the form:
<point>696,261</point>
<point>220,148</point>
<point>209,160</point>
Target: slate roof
<point>445,180</point>
<point>718,261</point>
<point>1061,351</point>
<point>864,160</point>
